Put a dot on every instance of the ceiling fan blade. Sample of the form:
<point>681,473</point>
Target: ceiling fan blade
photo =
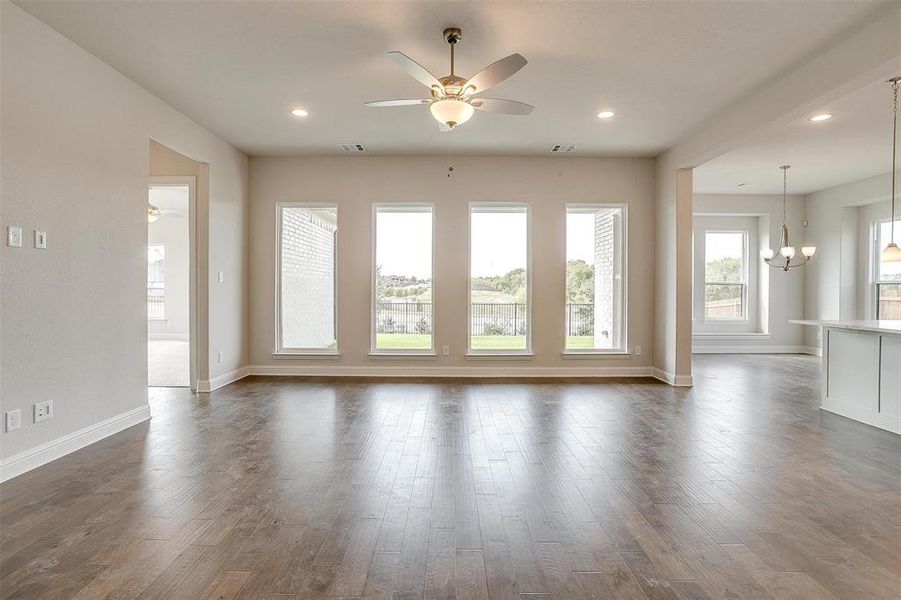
<point>399,102</point>
<point>495,73</point>
<point>415,70</point>
<point>499,105</point>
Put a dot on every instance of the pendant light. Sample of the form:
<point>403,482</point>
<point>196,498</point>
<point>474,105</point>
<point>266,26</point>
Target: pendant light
<point>892,252</point>
<point>786,250</point>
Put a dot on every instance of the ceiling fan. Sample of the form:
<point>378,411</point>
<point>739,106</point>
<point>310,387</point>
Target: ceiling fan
<point>453,98</point>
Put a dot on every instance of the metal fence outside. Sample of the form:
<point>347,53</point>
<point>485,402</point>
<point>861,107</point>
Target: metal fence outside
<point>156,304</point>
<point>488,318</point>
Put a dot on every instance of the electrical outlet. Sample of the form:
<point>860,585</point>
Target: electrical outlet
<point>40,239</point>
<point>43,411</point>
<point>13,420</point>
<point>221,276</point>
<point>14,236</point>
<point>637,350</point>
<point>219,356</point>
<point>445,350</point>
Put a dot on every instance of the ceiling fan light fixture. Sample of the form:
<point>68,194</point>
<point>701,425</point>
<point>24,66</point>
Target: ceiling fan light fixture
<point>451,112</point>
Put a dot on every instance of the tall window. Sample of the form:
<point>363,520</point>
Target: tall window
<point>306,285</point>
<point>156,282</point>
<point>498,278</point>
<point>888,275</point>
<point>725,275</point>
<point>402,279</point>
<point>595,267</point>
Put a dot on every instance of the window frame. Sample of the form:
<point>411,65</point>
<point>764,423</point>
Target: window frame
<point>745,282</point>
<point>877,245</point>
<point>400,207</point>
<point>501,207</point>
<point>280,349</point>
<point>623,348</point>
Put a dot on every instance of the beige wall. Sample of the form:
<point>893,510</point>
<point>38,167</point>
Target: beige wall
<point>75,158</point>
<point>355,183</point>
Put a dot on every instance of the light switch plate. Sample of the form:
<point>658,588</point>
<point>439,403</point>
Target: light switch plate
<point>14,236</point>
<point>40,239</point>
<point>13,420</point>
<point>221,276</point>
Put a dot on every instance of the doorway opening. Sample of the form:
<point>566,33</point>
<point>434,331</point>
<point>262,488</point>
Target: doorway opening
<point>169,287</point>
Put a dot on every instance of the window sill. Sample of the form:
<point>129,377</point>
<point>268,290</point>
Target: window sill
<point>524,355</point>
<point>287,354</point>
<point>596,354</point>
<point>424,354</point>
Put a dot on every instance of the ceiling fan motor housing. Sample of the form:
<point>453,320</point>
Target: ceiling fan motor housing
<point>452,35</point>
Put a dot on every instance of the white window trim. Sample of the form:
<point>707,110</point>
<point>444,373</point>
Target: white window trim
<point>280,350</point>
<point>875,256</point>
<point>623,349</point>
<point>476,353</point>
<point>746,284</point>
<point>399,352</point>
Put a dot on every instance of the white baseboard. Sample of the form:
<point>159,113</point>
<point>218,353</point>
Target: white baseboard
<point>325,370</point>
<point>328,370</point>
<point>755,350</point>
<point>672,378</point>
<point>176,337</point>
<point>208,385</point>
<point>50,451</point>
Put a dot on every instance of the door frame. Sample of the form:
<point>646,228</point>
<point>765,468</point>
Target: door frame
<point>191,182</point>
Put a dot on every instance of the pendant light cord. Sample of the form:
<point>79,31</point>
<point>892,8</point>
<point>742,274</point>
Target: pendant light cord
<point>894,148</point>
<point>784,192</point>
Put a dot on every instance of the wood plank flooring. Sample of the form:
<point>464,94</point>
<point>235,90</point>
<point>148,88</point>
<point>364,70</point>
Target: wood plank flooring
<point>310,488</point>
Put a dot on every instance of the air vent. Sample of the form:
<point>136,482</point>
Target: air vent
<point>352,148</point>
<point>563,148</point>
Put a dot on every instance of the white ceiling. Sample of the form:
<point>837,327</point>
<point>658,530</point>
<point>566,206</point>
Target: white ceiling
<point>238,67</point>
<point>854,144</point>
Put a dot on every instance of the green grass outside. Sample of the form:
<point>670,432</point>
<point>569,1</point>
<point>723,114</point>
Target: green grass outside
<point>403,341</point>
<point>416,341</point>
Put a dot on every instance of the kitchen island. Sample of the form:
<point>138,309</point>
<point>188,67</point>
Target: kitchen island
<point>862,371</point>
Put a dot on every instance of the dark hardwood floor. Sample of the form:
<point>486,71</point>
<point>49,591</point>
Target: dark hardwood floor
<point>288,488</point>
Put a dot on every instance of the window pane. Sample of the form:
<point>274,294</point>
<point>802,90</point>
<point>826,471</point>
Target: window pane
<point>499,250</point>
<point>403,278</point>
<point>889,301</point>
<point>724,275</point>
<point>308,277</point>
<point>888,271</point>
<point>156,282</point>
<point>594,278</point>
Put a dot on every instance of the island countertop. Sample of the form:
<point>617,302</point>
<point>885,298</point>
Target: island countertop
<point>883,326</point>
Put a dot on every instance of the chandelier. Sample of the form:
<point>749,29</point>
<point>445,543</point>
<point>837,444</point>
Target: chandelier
<point>786,250</point>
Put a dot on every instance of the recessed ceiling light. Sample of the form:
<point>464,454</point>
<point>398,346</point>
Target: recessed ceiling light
<point>819,118</point>
<point>605,114</point>
<point>299,112</point>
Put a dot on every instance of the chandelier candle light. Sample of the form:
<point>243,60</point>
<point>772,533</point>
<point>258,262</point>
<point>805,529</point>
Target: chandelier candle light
<point>892,252</point>
<point>786,250</point>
